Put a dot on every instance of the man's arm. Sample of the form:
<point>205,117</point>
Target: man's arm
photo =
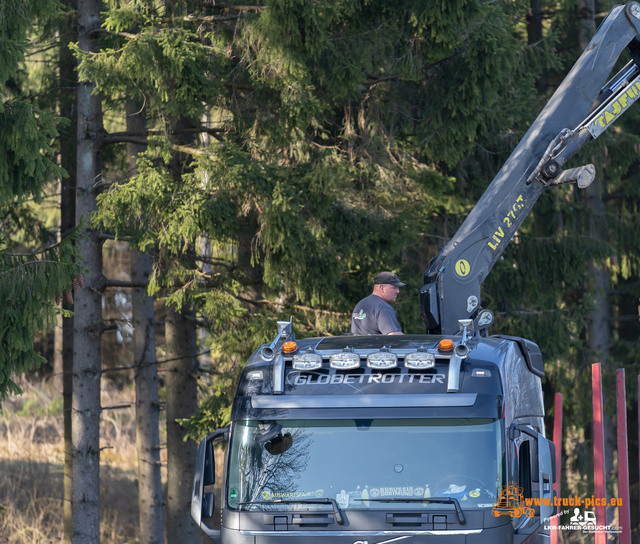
<point>388,322</point>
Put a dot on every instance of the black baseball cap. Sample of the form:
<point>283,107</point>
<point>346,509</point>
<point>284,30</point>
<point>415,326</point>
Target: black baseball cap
<point>388,278</point>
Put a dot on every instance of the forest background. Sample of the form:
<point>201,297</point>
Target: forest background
<point>241,164</point>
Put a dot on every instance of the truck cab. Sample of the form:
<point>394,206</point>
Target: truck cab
<point>379,439</point>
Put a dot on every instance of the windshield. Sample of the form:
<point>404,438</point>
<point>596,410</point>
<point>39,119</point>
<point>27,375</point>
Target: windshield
<point>361,463</point>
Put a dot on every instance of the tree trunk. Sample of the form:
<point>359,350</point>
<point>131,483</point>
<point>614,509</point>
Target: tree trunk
<point>150,504</point>
<point>182,402</point>
<point>599,328</point>
<point>586,22</point>
<point>67,403</point>
<point>68,77</point>
<point>534,36</point>
<point>88,305</point>
<point>147,407</point>
<point>57,356</point>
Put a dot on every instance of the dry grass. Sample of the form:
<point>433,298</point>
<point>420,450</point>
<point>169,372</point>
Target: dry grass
<point>32,461</point>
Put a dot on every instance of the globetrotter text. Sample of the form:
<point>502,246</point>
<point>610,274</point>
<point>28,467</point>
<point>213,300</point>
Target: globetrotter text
<point>296,378</point>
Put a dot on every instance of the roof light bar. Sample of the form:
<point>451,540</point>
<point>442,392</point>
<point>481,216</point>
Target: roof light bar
<point>345,360</point>
<point>382,359</point>
<point>420,359</point>
<point>307,361</point>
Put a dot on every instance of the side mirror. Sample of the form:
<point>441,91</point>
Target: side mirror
<point>208,504</point>
<point>541,467</point>
<point>545,477</point>
<point>209,471</point>
<point>202,503</point>
<point>524,468</point>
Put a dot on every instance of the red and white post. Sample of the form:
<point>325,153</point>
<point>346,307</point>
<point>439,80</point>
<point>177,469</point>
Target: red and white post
<point>598,449</point>
<point>557,440</point>
<point>623,458</point>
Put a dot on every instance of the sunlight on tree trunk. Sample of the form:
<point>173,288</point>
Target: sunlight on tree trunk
<point>182,402</point>
<point>88,305</point>
<point>67,77</point>
<point>150,503</point>
<point>600,325</point>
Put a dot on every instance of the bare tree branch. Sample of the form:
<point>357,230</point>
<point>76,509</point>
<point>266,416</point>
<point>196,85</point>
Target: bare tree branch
<point>373,80</point>
<point>141,138</point>
<point>216,5</point>
<point>119,283</point>
<point>105,236</point>
<point>119,368</point>
<point>115,136</point>
<point>296,306</point>
<point>112,33</point>
<point>202,18</point>
<point>143,141</point>
<point>240,86</point>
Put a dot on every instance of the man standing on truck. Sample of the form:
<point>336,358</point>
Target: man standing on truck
<point>374,314</point>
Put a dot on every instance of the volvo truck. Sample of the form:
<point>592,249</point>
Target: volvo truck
<point>415,438</point>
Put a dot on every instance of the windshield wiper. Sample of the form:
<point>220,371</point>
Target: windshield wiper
<point>445,500</point>
<point>325,500</point>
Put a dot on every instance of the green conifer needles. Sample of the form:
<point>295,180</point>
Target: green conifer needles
<point>29,282</point>
<point>25,151</point>
<point>334,128</point>
<point>29,285</point>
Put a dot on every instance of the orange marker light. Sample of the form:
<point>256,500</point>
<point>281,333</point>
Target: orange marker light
<point>290,347</point>
<point>445,345</point>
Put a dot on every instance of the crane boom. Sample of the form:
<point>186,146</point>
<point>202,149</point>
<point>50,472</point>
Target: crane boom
<point>580,110</point>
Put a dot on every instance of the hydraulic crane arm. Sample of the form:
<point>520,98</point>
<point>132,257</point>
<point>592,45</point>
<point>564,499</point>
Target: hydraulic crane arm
<point>581,109</point>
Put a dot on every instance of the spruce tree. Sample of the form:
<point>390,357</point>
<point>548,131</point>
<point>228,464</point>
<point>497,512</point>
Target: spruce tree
<point>349,138</point>
<point>35,272</point>
<point>333,133</point>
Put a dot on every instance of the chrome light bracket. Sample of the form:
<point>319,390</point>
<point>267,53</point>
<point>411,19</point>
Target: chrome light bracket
<point>284,327</point>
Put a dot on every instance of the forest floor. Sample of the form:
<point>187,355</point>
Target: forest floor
<point>32,462</point>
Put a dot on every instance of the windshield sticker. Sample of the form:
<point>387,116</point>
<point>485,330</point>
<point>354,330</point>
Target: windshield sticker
<point>455,491</point>
<point>405,491</point>
<point>233,494</point>
<point>342,499</point>
<point>295,378</point>
<point>268,495</point>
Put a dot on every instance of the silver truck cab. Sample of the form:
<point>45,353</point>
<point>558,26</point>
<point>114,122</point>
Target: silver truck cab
<point>382,439</point>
